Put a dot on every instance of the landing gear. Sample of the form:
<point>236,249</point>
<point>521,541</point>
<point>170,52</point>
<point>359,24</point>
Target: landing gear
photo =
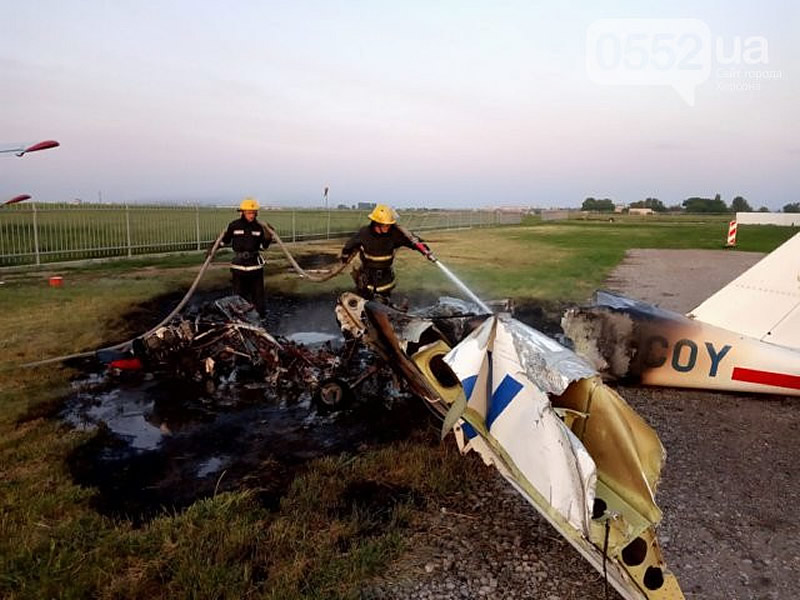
<point>332,395</point>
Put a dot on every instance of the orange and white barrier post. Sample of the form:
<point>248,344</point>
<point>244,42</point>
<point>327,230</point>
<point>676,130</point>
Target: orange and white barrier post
<point>731,234</point>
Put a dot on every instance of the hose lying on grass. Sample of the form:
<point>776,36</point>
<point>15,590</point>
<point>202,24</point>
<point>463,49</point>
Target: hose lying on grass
<point>299,270</point>
<point>122,346</point>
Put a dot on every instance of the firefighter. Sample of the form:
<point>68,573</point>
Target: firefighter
<point>246,235</point>
<point>376,244</point>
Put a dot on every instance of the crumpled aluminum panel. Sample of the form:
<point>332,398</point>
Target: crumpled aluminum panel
<point>549,365</point>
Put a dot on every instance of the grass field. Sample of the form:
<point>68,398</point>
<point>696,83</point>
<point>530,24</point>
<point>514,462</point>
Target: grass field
<point>54,545</point>
<point>65,233</point>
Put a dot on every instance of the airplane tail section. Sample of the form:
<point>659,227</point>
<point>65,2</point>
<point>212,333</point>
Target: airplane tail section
<point>763,302</point>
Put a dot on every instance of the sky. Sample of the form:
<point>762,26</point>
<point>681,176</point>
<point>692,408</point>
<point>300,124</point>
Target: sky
<point>447,104</point>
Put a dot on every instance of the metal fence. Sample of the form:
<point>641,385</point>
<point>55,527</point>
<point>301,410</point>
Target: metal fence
<point>34,234</point>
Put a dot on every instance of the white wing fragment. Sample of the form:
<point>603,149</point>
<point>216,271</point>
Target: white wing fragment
<point>519,416</point>
<point>763,302</point>
<point>571,446</point>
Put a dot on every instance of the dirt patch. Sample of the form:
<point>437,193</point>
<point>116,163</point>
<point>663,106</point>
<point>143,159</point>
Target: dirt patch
<point>732,478</point>
<point>678,280</point>
<point>318,260</point>
<point>729,491</point>
<point>485,541</point>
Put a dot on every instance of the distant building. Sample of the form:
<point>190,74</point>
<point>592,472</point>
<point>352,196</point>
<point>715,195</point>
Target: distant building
<point>555,215</point>
<point>759,218</point>
<point>512,209</point>
<point>619,208</point>
<point>640,211</point>
<point>366,205</point>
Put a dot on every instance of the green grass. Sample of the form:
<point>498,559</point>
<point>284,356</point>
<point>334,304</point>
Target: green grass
<point>563,261</point>
<point>668,217</point>
<point>53,544</point>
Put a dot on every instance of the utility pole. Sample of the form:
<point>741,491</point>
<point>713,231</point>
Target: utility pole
<point>328,209</point>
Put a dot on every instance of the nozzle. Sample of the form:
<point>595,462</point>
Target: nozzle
<point>424,250</point>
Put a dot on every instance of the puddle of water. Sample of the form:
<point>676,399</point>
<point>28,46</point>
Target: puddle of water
<point>212,465</point>
<point>124,412</point>
<point>163,442</point>
<point>312,338</point>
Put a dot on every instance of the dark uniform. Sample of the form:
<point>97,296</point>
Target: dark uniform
<point>247,267</point>
<point>376,251</point>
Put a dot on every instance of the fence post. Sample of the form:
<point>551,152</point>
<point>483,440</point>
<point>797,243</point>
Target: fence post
<point>36,235</point>
<point>197,223</point>
<point>128,228</point>
<point>294,226</point>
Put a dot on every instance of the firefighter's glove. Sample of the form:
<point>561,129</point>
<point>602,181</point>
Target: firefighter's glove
<point>425,251</point>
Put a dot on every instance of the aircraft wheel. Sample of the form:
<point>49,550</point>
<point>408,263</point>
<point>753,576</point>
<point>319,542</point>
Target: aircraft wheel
<point>332,395</point>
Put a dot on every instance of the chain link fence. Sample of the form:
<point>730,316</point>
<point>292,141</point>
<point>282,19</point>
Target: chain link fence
<point>35,234</point>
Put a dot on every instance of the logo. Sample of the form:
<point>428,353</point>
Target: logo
<point>679,53</point>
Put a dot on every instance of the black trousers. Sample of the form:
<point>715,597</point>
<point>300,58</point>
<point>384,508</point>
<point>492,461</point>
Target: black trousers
<point>372,283</point>
<point>250,286</point>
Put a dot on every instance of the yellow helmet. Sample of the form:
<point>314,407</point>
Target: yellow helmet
<point>383,214</point>
<point>249,203</point>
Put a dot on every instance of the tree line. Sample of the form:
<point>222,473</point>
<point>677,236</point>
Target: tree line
<point>695,204</point>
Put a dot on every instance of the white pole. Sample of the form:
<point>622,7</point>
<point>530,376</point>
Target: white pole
<point>128,228</point>
<point>36,235</point>
<point>197,223</point>
<point>327,208</point>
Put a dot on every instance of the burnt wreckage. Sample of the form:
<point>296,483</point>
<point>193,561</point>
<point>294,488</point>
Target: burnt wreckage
<point>223,346</point>
<point>222,343</point>
<point>530,407</point>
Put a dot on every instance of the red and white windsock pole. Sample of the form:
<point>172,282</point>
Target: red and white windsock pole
<point>731,234</point>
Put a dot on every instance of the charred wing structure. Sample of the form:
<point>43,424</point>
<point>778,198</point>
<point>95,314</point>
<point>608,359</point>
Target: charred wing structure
<point>626,338</point>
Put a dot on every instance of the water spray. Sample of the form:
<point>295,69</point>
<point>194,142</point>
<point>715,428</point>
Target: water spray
<point>426,252</point>
<point>462,286</point>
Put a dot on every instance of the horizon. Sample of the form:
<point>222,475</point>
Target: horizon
<point>232,203</point>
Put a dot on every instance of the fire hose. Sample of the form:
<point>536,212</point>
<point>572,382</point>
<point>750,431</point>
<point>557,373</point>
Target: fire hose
<point>302,272</point>
<point>127,344</point>
<point>122,346</point>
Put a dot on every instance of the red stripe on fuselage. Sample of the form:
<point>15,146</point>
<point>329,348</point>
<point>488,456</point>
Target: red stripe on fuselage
<point>766,377</point>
